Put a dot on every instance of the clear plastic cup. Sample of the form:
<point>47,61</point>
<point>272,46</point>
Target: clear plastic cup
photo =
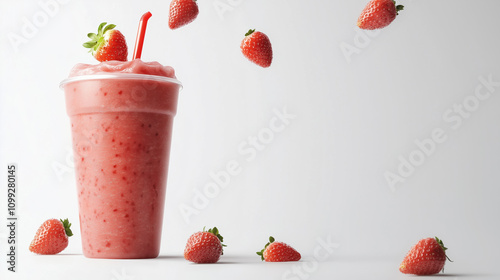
<point>121,126</point>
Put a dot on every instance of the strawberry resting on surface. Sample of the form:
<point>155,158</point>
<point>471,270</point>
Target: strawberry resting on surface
<point>108,44</point>
<point>425,258</point>
<point>278,252</point>
<point>378,14</point>
<point>204,246</point>
<point>52,237</point>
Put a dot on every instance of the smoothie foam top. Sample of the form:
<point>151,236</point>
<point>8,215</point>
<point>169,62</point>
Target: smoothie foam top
<point>136,66</point>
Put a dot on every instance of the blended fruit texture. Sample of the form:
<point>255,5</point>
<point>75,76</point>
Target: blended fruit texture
<point>121,130</point>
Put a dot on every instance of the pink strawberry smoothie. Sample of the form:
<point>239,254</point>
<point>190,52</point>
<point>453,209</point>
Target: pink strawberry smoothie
<point>121,122</point>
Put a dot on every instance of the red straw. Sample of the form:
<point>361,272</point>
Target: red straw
<point>139,40</point>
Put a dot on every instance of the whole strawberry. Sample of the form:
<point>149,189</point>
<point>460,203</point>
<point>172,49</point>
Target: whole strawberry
<point>204,246</point>
<point>182,12</point>
<point>52,237</point>
<point>378,14</point>
<point>256,46</point>
<point>108,44</point>
<point>278,252</point>
<point>425,258</point>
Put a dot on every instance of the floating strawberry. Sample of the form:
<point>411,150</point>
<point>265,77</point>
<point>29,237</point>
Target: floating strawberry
<point>378,14</point>
<point>52,237</point>
<point>182,12</point>
<point>256,46</point>
<point>204,246</point>
<point>108,44</point>
<point>425,258</point>
<point>278,252</point>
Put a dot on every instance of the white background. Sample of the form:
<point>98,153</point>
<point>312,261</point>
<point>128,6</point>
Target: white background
<point>360,102</point>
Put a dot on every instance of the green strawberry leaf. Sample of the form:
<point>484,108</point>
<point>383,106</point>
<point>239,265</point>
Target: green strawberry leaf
<point>398,7</point>
<point>101,26</point>
<point>107,28</point>
<point>261,253</point>
<point>215,232</point>
<point>89,44</point>
<point>67,226</point>
<point>250,31</point>
<point>440,242</point>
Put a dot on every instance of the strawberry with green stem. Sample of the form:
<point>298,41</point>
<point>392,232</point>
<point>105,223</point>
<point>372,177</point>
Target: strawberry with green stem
<point>204,246</point>
<point>427,257</point>
<point>278,252</point>
<point>257,47</point>
<point>108,44</point>
<point>51,237</point>
<point>378,14</point>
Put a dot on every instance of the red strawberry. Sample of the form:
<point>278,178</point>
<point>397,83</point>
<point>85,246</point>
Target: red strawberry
<point>182,12</point>
<point>257,48</point>
<point>378,14</point>
<point>426,257</point>
<point>204,246</point>
<point>52,237</point>
<point>278,252</point>
<point>108,44</point>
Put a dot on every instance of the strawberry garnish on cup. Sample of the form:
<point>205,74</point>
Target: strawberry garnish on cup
<point>378,14</point>
<point>52,237</point>
<point>108,44</point>
<point>278,252</point>
<point>256,46</point>
<point>427,257</point>
<point>182,12</point>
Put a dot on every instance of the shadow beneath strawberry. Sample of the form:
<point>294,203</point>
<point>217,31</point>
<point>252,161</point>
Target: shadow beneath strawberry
<point>170,257</point>
<point>457,275</point>
<point>233,260</point>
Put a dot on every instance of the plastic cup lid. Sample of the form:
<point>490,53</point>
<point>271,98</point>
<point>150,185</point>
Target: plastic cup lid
<point>119,76</point>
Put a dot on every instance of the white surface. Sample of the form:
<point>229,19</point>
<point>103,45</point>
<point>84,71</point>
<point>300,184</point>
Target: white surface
<point>321,176</point>
<point>240,267</point>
